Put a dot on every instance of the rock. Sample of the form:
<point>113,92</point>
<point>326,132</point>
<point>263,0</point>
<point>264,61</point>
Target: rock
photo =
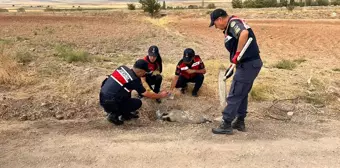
<point>32,49</point>
<point>4,105</point>
<point>43,104</point>
<point>59,117</point>
<point>290,114</point>
<point>319,105</point>
<point>333,14</point>
<point>23,118</point>
<point>32,64</point>
<point>218,119</point>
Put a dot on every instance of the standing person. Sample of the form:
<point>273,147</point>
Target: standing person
<point>154,77</point>
<point>237,32</point>
<point>115,93</point>
<point>189,69</point>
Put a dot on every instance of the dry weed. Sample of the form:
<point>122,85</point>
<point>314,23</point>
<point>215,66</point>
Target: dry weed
<point>12,73</point>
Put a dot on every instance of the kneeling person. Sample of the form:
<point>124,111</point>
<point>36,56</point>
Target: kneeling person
<point>115,93</point>
<point>153,77</point>
<point>189,69</point>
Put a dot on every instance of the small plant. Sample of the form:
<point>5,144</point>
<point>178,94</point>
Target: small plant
<point>69,55</point>
<point>21,10</point>
<point>336,69</point>
<point>299,61</point>
<point>4,41</point>
<point>131,6</point>
<point>290,7</point>
<point>285,64</point>
<point>211,6</point>
<point>24,57</point>
<point>192,7</point>
<point>21,38</point>
<point>236,3</point>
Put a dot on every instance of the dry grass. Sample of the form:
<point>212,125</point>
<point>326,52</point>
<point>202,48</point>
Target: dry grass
<point>24,57</point>
<point>299,61</point>
<point>285,64</point>
<point>336,69</point>
<point>261,92</point>
<point>70,55</point>
<point>12,73</point>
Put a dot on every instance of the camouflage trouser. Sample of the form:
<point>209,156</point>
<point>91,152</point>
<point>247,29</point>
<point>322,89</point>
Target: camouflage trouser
<point>237,100</point>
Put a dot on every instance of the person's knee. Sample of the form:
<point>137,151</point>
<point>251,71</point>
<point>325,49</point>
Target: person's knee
<point>138,103</point>
<point>201,76</point>
<point>159,78</point>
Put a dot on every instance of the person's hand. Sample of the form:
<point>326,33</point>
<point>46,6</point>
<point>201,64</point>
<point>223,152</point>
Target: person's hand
<point>164,94</point>
<point>234,60</point>
<point>231,73</point>
<point>155,73</point>
<point>191,71</point>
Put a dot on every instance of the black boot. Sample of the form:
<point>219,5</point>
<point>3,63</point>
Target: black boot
<point>224,128</point>
<point>131,115</point>
<point>115,119</point>
<point>194,94</point>
<point>239,125</point>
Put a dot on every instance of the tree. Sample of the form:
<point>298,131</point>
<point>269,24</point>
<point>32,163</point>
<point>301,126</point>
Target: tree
<point>164,6</point>
<point>150,6</point>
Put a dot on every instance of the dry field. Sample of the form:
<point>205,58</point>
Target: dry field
<point>52,65</point>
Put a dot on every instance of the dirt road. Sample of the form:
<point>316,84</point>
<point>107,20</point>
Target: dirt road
<point>96,143</point>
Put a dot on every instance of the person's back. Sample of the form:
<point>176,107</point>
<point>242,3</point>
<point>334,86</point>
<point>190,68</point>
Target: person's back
<point>119,84</point>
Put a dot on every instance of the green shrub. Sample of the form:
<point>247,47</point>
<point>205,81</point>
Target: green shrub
<point>323,2</point>
<point>249,4</point>
<point>3,10</point>
<point>21,10</point>
<point>236,3</point>
<point>211,6</point>
<point>150,6</point>
<point>131,6</point>
<point>335,2</point>
<point>192,7</point>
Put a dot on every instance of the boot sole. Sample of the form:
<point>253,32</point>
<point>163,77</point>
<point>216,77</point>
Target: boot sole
<point>239,129</point>
<point>224,132</point>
